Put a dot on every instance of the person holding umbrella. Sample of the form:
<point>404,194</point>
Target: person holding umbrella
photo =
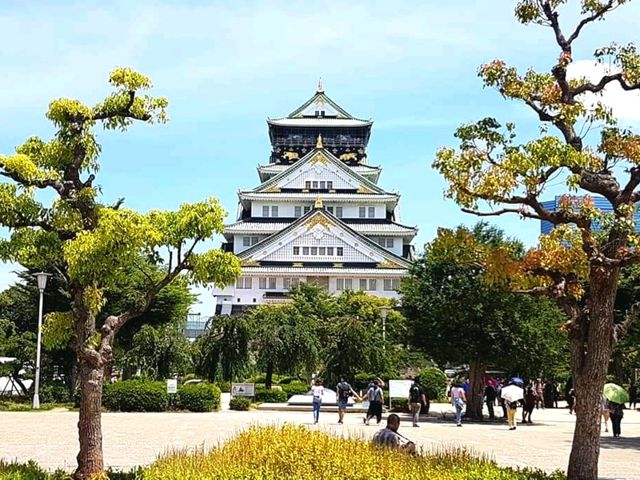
<point>616,397</point>
<point>511,395</point>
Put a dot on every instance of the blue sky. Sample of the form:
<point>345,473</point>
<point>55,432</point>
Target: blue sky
<point>227,66</point>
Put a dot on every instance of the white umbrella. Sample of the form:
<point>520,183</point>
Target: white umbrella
<point>512,393</point>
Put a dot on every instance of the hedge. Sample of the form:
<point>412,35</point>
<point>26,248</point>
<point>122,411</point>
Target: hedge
<point>295,388</point>
<point>198,397</point>
<point>135,396</point>
<point>56,392</point>
<point>271,396</point>
<point>400,405</point>
<point>240,403</point>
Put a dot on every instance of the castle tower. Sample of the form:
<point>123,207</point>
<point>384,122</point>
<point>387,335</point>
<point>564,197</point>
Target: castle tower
<point>318,214</point>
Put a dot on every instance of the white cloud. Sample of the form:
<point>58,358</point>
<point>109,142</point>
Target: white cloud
<point>625,105</point>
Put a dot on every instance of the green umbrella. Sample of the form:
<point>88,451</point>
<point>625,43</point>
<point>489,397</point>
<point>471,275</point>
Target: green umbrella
<point>615,393</point>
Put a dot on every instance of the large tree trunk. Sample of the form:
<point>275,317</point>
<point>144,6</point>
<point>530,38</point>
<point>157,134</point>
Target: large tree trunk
<point>90,458</point>
<point>476,390</point>
<point>269,377</point>
<point>591,347</point>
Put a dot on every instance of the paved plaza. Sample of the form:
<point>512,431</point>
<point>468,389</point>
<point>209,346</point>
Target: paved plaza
<point>132,439</point>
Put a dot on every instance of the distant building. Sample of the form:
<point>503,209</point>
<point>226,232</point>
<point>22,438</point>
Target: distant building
<point>600,203</point>
<point>195,326</point>
<point>318,214</point>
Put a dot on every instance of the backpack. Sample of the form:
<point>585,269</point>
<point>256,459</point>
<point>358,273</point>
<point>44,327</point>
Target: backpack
<point>414,394</point>
<point>344,391</point>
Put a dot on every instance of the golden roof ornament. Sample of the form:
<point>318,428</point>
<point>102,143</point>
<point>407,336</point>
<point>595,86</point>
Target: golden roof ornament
<point>318,203</point>
<point>319,142</point>
<point>320,89</point>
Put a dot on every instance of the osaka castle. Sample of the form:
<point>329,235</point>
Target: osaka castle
<point>318,214</point>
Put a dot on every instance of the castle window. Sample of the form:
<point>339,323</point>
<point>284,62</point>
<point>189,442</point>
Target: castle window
<point>265,210</point>
<point>372,212</point>
<point>274,211</point>
<point>391,284</point>
<point>339,251</point>
<point>306,209</point>
<point>244,283</point>
<point>296,250</point>
<point>329,185</point>
<point>322,251</point>
<point>339,212</point>
<point>362,212</point>
<point>297,211</point>
<point>330,251</point>
<point>314,250</point>
<point>307,184</point>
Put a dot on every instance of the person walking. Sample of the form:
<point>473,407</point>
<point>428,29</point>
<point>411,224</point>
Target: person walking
<point>416,399</point>
<point>490,400</point>
<point>539,392</point>
<point>344,391</point>
<point>616,412</point>
<point>605,413</point>
<point>529,404</point>
<point>317,390</point>
<point>458,399</point>
<point>633,395</point>
<point>376,399</point>
<point>571,400</point>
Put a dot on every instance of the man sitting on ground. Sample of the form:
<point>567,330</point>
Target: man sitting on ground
<point>389,436</point>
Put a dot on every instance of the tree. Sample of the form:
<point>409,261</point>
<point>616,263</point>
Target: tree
<point>458,315</point>
<point>286,341</point>
<point>224,347</point>
<point>587,245</point>
<point>90,243</point>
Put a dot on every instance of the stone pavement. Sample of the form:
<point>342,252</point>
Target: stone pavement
<point>131,439</point>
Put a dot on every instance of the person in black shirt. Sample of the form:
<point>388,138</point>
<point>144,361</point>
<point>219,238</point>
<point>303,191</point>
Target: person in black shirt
<point>490,399</point>
<point>416,399</point>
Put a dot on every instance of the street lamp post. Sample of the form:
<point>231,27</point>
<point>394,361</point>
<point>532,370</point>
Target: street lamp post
<point>384,310</point>
<point>42,283</point>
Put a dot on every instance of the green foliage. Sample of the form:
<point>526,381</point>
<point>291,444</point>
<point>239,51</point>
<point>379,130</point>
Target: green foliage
<point>458,315</point>
<point>240,403</point>
<point>57,330</point>
<point>400,405</point>
<point>135,396</point>
<point>224,386</point>
<point>223,350</point>
<point>29,471</point>
<point>199,397</point>
<point>279,453</point>
<point>54,392</point>
<point>433,382</point>
<point>295,388</point>
<point>270,396</point>
<point>160,352</point>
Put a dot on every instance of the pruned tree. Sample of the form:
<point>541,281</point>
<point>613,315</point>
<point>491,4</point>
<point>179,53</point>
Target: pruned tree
<point>92,244</point>
<point>587,245</point>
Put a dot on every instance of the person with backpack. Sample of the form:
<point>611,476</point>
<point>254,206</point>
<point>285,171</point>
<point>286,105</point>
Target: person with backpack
<point>416,399</point>
<point>343,392</point>
<point>376,400</point>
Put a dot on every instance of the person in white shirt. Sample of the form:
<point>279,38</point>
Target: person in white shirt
<point>317,390</point>
<point>458,398</point>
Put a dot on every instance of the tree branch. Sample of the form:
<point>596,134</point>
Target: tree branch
<point>592,18</point>
<point>604,81</point>
<point>620,329</point>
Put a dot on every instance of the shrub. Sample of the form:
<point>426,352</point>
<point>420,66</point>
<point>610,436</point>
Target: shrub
<point>56,392</point>
<point>400,405</point>
<point>434,382</point>
<point>224,386</point>
<point>295,388</point>
<point>198,397</point>
<point>136,396</point>
<point>279,453</point>
<point>271,396</point>
<point>361,380</point>
<point>240,403</point>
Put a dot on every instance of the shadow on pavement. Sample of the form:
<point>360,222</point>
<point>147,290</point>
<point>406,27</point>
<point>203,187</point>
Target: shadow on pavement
<point>622,442</point>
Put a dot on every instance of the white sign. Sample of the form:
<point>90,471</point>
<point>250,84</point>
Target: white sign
<point>243,389</point>
<point>399,388</point>
<point>172,386</point>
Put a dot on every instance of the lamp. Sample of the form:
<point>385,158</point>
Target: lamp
<point>42,284</point>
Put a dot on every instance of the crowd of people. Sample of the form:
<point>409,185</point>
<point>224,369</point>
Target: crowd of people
<point>509,395</point>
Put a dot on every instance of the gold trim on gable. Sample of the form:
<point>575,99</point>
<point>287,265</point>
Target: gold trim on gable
<point>319,158</point>
<point>319,220</point>
<point>338,265</point>
<point>250,262</point>
<point>365,190</point>
<point>387,264</point>
<point>297,264</point>
<point>272,190</point>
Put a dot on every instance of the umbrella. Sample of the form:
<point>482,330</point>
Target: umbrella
<point>491,382</point>
<point>615,393</point>
<point>512,393</point>
<point>517,380</point>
